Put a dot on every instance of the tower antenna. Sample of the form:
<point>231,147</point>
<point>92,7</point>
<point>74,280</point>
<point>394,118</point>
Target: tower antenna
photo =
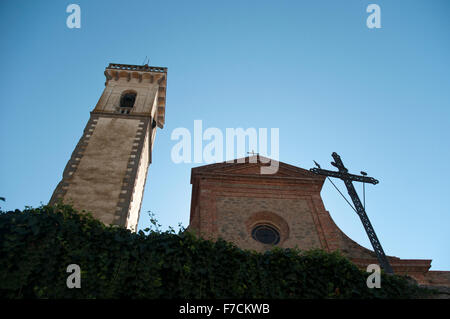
<point>146,61</point>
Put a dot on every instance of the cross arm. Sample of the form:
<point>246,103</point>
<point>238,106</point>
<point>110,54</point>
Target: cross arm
<point>344,176</point>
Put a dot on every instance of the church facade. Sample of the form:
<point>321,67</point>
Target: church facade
<point>237,203</point>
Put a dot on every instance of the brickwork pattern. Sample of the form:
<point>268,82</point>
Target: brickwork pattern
<point>100,176</point>
<point>72,165</point>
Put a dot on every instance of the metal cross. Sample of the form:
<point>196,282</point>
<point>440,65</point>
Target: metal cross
<point>348,179</point>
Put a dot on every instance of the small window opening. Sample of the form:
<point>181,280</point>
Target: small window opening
<point>128,100</point>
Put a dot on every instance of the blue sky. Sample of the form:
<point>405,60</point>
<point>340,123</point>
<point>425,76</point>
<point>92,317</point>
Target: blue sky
<point>378,97</point>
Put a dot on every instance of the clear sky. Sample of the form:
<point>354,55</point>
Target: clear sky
<point>378,97</point>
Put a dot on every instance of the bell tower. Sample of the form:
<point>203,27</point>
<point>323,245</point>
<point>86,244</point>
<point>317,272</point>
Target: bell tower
<point>107,171</point>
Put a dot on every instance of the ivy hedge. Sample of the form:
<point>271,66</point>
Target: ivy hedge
<point>37,245</point>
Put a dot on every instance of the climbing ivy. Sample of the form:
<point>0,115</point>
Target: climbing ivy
<point>37,245</point>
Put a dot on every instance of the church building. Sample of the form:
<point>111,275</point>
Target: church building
<point>237,203</point>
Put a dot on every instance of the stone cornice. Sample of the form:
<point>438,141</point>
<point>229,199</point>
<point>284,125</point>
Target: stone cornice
<point>232,170</point>
<point>123,116</point>
<point>274,177</point>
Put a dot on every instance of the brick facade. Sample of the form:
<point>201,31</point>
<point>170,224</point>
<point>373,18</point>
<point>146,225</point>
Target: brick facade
<point>229,199</point>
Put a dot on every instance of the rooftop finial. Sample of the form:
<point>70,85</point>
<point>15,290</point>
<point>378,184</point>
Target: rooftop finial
<point>146,61</point>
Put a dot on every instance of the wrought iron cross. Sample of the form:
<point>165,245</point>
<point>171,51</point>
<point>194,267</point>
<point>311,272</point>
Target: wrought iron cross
<point>348,179</point>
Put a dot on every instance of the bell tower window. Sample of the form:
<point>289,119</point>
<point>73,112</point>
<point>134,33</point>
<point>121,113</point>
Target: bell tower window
<point>127,100</point>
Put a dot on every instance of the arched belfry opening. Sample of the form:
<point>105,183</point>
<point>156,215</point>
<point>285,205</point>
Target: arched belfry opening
<point>127,99</point>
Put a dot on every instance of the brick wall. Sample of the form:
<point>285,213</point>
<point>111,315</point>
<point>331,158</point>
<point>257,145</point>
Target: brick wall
<point>229,199</point>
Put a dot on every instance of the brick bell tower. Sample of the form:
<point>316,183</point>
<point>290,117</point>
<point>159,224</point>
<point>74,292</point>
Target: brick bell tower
<point>107,171</point>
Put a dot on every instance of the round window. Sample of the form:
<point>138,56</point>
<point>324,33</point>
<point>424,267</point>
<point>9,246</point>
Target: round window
<point>266,234</point>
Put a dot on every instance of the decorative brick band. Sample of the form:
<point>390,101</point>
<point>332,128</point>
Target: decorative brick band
<point>74,161</point>
<point>129,181</point>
